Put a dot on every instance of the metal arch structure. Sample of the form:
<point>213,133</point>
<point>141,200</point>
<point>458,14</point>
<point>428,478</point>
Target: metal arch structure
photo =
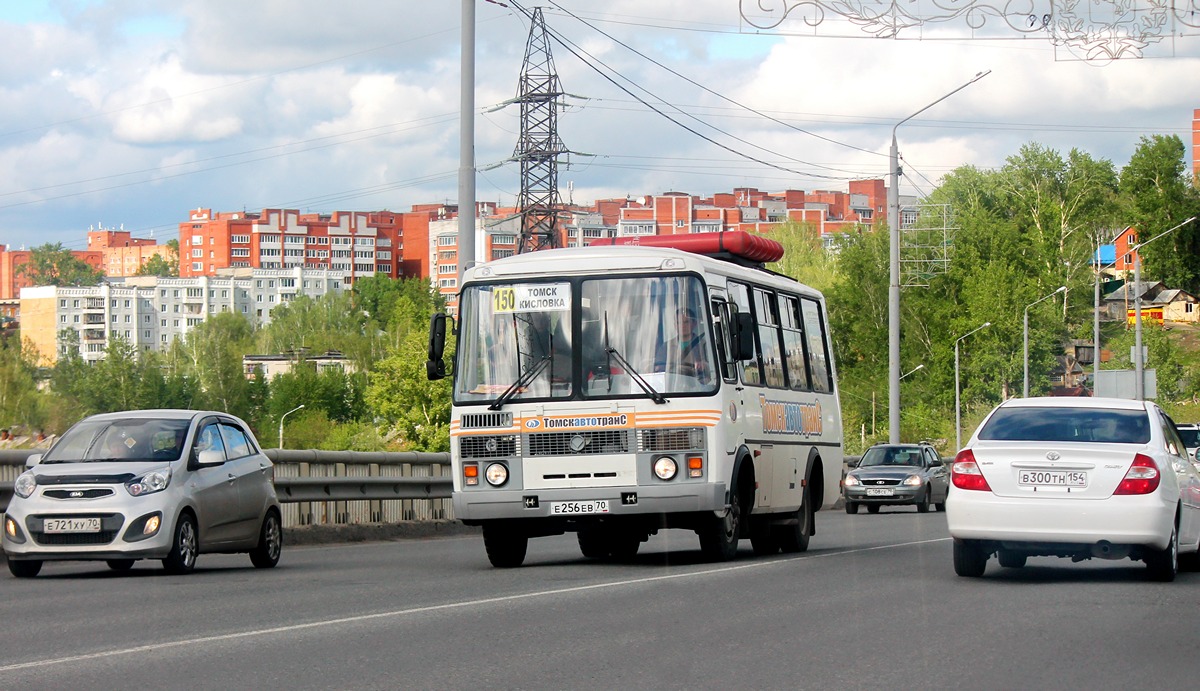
<point>1088,30</point>
<point>926,238</point>
<point>539,147</point>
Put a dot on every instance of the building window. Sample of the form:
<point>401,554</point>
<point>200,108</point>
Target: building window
<point>447,240</point>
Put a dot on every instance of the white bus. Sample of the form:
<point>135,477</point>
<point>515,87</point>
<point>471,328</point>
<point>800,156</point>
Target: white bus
<point>614,391</point>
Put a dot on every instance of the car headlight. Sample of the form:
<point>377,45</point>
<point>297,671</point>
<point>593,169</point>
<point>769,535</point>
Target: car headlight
<point>496,474</point>
<point>850,481</point>
<point>25,485</point>
<point>913,481</point>
<point>151,482</point>
<point>665,467</point>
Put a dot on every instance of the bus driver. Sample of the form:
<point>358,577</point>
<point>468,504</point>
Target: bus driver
<point>687,353</point>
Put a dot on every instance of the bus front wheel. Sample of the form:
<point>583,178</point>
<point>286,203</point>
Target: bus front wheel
<point>505,548</point>
<point>719,536</point>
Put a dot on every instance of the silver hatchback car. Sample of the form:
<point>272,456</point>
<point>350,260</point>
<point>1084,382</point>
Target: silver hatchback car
<point>146,484</point>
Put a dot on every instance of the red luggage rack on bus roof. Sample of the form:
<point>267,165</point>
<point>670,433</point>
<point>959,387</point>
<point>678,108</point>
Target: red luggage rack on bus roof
<point>734,245</point>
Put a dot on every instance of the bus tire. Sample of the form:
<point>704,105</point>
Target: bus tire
<point>719,535</point>
<point>624,545</point>
<point>762,537</point>
<point>593,543</point>
<point>505,549</point>
<point>794,538</point>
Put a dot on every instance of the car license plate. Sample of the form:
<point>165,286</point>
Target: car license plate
<point>880,492</point>
<point>71,525</point>
<point>1052,478</point>
<point>564,508</point>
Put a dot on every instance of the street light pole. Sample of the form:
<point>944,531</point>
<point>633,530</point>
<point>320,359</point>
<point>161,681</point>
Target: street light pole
<point>893,194</point>
<point>281,422</point>
<point>1139,360</point>
<point>912,370</point>
<point>1025,388</point>
<point>957,409</point>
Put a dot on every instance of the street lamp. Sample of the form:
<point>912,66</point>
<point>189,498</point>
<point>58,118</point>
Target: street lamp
<point>912,370</point>
<point>893,195</point>
<point>281,422</point>
<point>1139,360</point>
<point>957,409</point>
<point>1025,388</point>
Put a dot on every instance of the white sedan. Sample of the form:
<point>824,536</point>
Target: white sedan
<point>1077,478</point>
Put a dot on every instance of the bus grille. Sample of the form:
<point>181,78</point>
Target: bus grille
<point>672,439</point>
<point>478,446</point>
<point>597,442</point>
<point>485,420</point>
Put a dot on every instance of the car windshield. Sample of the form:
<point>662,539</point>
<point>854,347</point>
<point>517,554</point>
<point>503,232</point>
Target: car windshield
<point>1093,425</point>
<point>891,455</point>
<point>1190,436</point>
<point>131,440</point>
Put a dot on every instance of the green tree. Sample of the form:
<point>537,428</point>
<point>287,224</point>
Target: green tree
<point>156,265</point>
<point>805,257</point>
<point>330,322</point>
<point>1156,194</point>
<point>418,409</point>
<point>211,354</point>
<point>53,265</point>
<point>20,402</point>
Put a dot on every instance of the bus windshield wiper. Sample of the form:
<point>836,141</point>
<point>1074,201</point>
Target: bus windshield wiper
<point>636,376</point>
<point>526,377</point>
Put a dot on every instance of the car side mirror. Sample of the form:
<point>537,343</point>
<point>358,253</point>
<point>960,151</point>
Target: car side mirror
<point>853,462</point>
<point>210,457</point>
<point>32,460</point>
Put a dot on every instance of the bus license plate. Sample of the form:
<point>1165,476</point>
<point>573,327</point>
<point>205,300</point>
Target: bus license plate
<point>565,508</point>
<point>71,525</point>
<point>1052,478</point>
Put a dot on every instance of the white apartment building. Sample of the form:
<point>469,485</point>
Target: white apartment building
<point>150,312</point>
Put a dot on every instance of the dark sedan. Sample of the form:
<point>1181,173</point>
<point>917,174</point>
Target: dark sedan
<point>897,474</point>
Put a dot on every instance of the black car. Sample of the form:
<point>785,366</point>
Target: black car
<point>897,474</point>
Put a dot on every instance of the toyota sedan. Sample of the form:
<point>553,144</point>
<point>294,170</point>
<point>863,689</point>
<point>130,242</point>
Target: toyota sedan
<point>148,484</point>
<point>1080,478</point>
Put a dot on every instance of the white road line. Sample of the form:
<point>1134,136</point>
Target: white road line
<point>154,647</point>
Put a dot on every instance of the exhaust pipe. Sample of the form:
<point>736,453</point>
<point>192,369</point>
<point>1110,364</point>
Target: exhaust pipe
<point>1106,550</point>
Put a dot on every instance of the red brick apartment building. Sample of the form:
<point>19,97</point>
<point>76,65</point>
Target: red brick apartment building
<point>124,254</point>
<point>357,242</point>
<point>11,260</point>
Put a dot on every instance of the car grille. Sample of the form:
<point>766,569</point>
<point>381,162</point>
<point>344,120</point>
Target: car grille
<point>110,525</point>
<point>596,442</point>
<point>85,479</point>
<point>77,493</point>
<point>879,482</point>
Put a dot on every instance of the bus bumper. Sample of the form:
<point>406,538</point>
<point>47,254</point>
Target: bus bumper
<point>622,501</point>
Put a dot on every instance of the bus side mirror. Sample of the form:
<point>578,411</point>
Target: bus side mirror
<point>743,337</point>
<point>435,367</point>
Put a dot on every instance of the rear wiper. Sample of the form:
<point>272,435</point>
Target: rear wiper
<point>636,376</point>
<point>526,377</point>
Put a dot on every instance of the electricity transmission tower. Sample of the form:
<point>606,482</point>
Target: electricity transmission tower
<point>539,147</point>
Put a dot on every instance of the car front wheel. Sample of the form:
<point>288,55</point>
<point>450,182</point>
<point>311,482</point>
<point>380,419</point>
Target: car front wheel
<point>182,557</point>
<point>24,569</point>
<point>923,505</point>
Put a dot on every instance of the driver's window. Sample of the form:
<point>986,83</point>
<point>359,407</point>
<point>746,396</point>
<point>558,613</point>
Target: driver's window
<point>209,439</point>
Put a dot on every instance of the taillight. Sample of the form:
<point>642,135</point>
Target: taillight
<point>1142,477</point>
<point>965,472</point>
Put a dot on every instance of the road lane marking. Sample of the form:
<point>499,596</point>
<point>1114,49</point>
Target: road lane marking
<point>221,638</point>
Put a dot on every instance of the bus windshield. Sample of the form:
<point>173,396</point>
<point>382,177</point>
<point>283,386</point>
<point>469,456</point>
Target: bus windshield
<point>584,339</point>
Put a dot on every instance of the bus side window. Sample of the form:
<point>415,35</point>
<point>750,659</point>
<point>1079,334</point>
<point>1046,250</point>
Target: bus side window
<point>818,354</point>
<point>793,342</point>
<point>769,346</point>
<point>723,330</point>
<point>750,369</point>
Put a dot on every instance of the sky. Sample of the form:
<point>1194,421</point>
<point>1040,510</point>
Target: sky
<point>130,113</point>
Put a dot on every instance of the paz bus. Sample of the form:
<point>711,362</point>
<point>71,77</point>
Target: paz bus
<point>615,390</point>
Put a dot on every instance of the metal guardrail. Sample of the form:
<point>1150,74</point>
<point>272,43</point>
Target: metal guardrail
<point>331,486</point>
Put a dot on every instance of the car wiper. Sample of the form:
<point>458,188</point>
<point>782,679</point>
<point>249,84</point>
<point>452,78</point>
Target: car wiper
<point>526,377</point>
<point>636,376</point>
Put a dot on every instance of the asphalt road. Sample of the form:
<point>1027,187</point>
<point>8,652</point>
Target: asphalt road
<point>874,603</point>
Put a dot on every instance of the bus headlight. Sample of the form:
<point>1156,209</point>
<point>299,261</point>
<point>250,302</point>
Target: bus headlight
<point>665,467</point>
<point>496,474</point>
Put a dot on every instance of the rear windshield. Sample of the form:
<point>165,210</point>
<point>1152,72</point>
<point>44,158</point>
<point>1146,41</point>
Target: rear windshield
<point>1190,436</point>
<point>1068,424</point>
